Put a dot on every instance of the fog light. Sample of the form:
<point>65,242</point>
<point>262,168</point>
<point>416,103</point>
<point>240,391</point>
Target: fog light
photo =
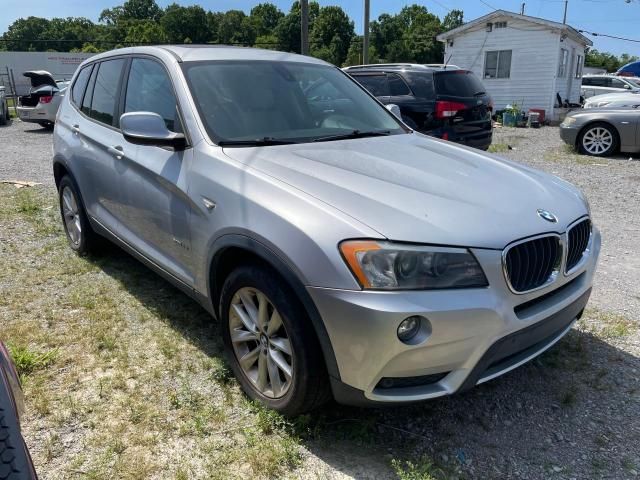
<point>409,328</point>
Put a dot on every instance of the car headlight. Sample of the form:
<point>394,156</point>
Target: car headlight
<point>568,121</point>
<point>392,266</point>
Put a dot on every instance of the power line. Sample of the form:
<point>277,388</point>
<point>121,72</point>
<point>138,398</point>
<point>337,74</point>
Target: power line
<point>609,36</point>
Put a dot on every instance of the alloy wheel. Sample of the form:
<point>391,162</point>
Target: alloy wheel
<point>260,342</point>
<point>597,141</point>
<point>71,215</point>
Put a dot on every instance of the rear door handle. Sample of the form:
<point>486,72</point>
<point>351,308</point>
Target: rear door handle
<point>116,151</point>
<point>75,129</point>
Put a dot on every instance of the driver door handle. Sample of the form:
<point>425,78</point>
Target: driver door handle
<point>75,129</point>
<point>116,151</point>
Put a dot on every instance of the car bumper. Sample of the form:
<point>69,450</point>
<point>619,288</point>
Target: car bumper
<point>35,115</point>
<point>475,334</point>
<point>569,135</point>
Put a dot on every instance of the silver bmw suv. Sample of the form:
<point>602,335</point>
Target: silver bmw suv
<point>341,253</point>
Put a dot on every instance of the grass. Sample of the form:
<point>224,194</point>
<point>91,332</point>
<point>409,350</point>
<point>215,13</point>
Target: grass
<point>608,325</point>
<point>424,469</point>
<point>131,366</point>
<point>498,147</point>
<point>566,153</point>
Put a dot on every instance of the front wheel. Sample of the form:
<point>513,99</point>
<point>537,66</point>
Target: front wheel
<point>599,140</point>
<point>4,115</point>
<point>270,342</point>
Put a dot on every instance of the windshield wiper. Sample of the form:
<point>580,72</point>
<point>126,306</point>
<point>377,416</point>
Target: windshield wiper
<point>354,134</point>
<point>257,142</point>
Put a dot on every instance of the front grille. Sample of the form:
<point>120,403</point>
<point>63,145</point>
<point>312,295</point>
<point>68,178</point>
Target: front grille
<point>532,264</point>
<point>578,240</point>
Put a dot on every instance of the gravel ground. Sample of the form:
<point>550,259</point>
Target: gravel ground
<point>25,153</point>
<point>573,413</point>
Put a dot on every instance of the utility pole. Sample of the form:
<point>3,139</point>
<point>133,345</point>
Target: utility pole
<point>522,9</point>
<point>365,39</point>
<point>566,4</point>
<point>304,27</point>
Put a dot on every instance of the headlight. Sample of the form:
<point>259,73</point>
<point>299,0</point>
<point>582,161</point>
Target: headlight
<point>392,266</point>
<point>568,121</point>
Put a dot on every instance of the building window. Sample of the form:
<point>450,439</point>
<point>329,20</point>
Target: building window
<point>497,64</point>
<point>500,24</point>
<point>562,67</point>
<point>579,65</point>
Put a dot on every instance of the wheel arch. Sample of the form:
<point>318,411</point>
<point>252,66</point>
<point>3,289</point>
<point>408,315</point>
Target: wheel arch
<point>232,250</point>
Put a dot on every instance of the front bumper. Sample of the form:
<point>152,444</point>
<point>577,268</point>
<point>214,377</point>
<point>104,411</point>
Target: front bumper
<point>569,135</point>
<point>476,334</point>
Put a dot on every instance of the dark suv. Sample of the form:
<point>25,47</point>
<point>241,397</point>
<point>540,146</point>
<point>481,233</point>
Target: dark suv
<point>451,104</point>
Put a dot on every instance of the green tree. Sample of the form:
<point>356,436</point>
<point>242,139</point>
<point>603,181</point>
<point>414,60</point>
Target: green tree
<point>354,55</point>
<point>288,29</point>
<point>331,35</point>
<point>145,31</point>
<point>265,17</point>
<point>235,27</point>
<point>25,34</point>
<point>180,23</point>
<point>453,19</point>
<point>132,10</point>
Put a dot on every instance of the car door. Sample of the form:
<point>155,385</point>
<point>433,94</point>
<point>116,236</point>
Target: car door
<point>95,162</point>
<point>155,204</point>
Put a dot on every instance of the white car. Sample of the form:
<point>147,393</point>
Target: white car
<point>4,108</point>
<point>613,100</point>
<point>593,85</point>
<point>41,105</point>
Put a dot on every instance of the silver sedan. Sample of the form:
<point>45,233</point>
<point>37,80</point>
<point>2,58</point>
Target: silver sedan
<point>603,131</point>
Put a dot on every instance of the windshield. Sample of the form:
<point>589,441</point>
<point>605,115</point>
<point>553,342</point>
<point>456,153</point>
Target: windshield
<point>245,101</point>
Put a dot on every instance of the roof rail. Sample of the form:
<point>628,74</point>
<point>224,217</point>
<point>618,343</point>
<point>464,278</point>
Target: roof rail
<point>388,65</point>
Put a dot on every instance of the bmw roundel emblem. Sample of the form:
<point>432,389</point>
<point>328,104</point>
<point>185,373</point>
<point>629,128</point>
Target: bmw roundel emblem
<point>548,216</point>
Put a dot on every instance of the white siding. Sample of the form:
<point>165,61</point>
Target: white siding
<point>569,86</point>
<point>534,61</point>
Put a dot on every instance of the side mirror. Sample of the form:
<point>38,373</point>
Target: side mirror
<point>148,128</point>
<point>628,87</point>
<point>395,109</point>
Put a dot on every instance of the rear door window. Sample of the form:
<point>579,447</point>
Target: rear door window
<point>376,84</point>
<point>397,86</point>
<point>458,83</point>
<point>80,85</point>
<point>149,89</point>
<point>105,92</point>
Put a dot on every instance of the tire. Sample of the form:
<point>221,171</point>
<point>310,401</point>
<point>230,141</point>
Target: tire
<point>81,237</point>
<point>4,115</point>
<point>47,125</point>
<point>598,139</point>
<point>287,327</point>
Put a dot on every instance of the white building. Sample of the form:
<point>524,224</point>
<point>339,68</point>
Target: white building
<point>61,65</point>
<point>520,59</point>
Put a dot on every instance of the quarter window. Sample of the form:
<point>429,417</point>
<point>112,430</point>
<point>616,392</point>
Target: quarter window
<point>88,96</point>
<point>105,92</point>
<point>562,67</point>
<point>497,64</point>
<point>149,89</point>
<point>79,86</point>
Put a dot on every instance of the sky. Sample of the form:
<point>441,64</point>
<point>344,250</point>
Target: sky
<point>613,17</point>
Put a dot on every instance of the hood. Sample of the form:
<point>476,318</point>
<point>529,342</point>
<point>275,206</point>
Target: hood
<point>40,78</point>
<point>417,189</point>
<point>611,97</point>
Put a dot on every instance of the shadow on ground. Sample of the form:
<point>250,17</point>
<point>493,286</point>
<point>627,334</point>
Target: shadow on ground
<point>570,413</point>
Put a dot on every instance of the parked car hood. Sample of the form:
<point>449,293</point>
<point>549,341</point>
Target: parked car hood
<point>39,78</point>
<point>611,97</point>
<point>417,189</point>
